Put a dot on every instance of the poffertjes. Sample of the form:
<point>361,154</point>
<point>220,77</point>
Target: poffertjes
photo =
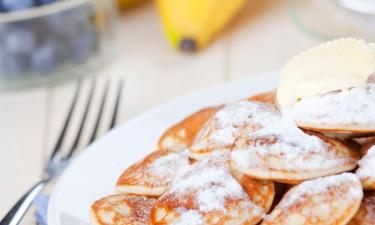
<point>331,200</point>
<point>206,193</point>
<point>122,210</point>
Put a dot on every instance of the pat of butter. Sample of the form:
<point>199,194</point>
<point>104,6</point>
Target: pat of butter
<point>331,66</point>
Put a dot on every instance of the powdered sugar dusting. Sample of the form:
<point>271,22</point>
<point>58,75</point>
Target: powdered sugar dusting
<point>367,165</point>
<point>167,166</point>
<point>229,123</point>
<point>347,107</point>
<point>321,185</point>
<point>211,181</point>
<point>289,145</point>
<point>189,217</point>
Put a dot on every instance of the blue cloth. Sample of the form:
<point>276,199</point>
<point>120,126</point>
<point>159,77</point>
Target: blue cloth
<point>41,204</point>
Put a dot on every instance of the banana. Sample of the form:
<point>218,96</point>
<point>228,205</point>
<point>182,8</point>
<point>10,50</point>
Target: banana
<point>331,66</point>
<point>190,24</point>
<point>125,4</point>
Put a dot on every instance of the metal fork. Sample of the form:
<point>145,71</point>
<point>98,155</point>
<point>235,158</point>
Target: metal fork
<point>57,162</point>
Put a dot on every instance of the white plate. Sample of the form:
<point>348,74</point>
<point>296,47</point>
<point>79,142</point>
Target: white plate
<point>94,173</point>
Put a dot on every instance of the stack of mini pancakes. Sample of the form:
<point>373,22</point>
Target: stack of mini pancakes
<point>299,156</point>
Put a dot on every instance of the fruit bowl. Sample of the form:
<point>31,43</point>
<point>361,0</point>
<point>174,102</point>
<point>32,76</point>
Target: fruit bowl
<point>54,41</point>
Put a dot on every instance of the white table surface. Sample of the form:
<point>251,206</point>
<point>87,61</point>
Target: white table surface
<point>260,39</point>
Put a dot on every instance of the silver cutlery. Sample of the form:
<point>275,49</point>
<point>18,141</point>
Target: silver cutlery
<point>58,160</point>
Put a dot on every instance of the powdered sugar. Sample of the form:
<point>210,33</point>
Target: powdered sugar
<point>212,181</point>
<point>287,146</point>
<point>167,166</point>
<point>321,185</point>
<point>212,184</point>
<point>367,165</point>
<point>232,121</point>
<point>189,217</point>
<point>347,107</point>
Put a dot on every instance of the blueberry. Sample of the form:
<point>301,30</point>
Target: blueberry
<point>44,58</point>
<point>14,66</point>
<point>83,45</point>
<point>18,40</point>
<point>13,5</point>
<point>69,22</point>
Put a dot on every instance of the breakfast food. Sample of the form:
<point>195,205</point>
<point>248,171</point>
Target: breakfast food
<point>335,65</point>
<point>284,153</point>
<point>331,87</point>
<point>344,111</point>
<point>153,174</point>
<point>206,193</point>
<point>122,209</point>
<point>231,125</point>
<point>262,160</point>
<point>366,212</point>
<point>366,170</point>
<point>183,133</point>
<point>331,200</point>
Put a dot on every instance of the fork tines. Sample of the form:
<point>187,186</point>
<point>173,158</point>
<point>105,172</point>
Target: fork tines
<point>100,109</point>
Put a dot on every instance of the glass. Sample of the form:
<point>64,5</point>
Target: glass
<point>328,19</point>
<point>68,38</point>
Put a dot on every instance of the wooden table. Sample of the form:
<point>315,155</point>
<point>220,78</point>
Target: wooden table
<point>260,39</point>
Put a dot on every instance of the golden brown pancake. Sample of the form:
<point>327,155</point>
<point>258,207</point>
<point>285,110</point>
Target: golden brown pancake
<point>207,194</point>
<point>267,97</point>
<point>348,111</point>
<point>261,192</point>
<point>182,134</point>
<point>347,130</point>
<point>284,153</point>
<point>331,200</point>
<point>231,126</point>
<point>366,212</point>
<point>369,140</point>
<point>153,174</point>
<point>366,169</point>
<point>122,210</point>
<point>366,147</point>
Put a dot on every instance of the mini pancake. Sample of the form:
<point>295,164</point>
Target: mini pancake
<point>366,212</point>
<point>366,169</point>
<point>261,192</point>
<point>267,97</point>
<point>182,134</point>
<point>153,174</point>
<point>122,210</point>
<point>366,147</point>
<point>370,140</point>
<point>232,125</point>
<point>282,152</point>
<point>331,200</point>
<point>348,111</point>
<point>206,194</point>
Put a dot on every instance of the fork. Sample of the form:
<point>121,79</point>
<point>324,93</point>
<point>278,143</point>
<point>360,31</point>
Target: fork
<point>57,162</point>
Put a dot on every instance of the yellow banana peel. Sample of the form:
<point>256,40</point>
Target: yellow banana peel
<point>191,24</point>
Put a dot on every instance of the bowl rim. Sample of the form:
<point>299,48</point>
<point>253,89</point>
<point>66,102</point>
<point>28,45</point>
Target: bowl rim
<point>40,11</point>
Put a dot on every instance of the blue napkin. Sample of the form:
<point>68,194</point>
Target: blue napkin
<point>41,204</point>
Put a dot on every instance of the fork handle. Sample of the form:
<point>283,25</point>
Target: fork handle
<point>14,216</point>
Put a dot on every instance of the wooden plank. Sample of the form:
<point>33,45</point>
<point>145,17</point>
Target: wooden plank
<point>21,139</point>
<point>154,72</point>
<point>262,38</point>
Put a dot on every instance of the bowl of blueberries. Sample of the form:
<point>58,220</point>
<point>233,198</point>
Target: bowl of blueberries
<point>44,41</point>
